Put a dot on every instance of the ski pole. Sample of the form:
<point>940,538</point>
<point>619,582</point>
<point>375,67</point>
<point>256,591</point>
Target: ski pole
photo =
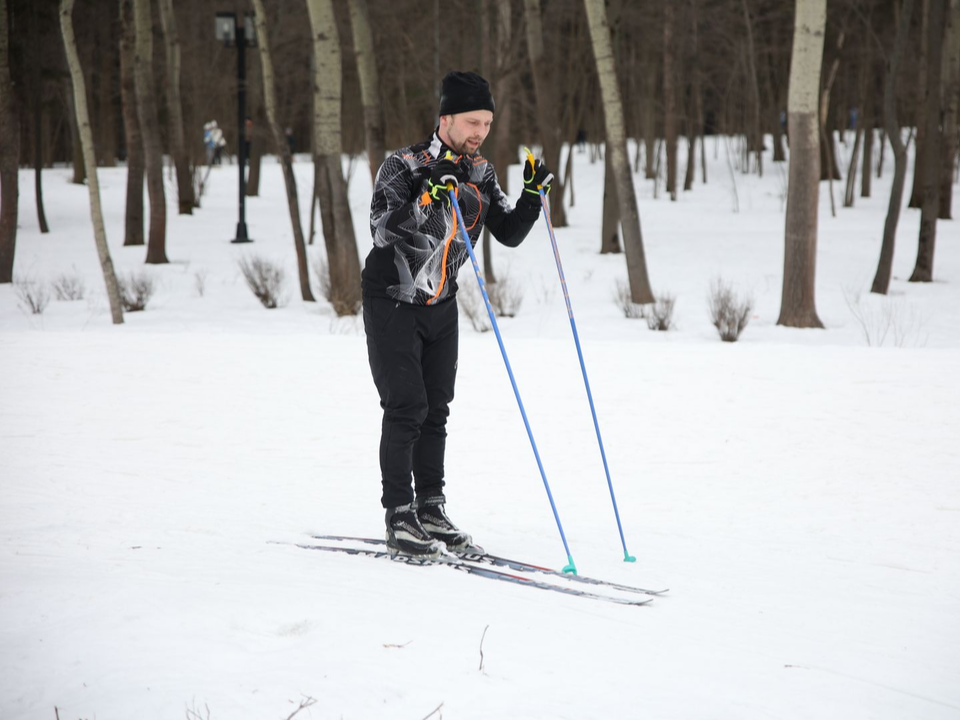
<point>570,567</point>
<point>627,557</point>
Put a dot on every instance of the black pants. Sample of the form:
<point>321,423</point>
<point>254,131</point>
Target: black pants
<point>413,357</point>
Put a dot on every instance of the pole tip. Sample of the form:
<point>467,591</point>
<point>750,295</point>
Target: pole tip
<point>571,567</point>
<point>628,558</point>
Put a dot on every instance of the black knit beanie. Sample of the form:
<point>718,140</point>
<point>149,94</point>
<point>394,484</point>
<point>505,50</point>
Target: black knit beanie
<point>464,91</point>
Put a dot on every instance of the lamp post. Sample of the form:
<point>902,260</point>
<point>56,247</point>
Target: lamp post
<point>228,31</point>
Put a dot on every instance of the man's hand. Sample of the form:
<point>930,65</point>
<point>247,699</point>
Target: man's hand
<point>536,176</point>
<point>444,173</point>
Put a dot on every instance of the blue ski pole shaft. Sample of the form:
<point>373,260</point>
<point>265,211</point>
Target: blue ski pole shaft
<point>571,566</point>
<point>627,557</point>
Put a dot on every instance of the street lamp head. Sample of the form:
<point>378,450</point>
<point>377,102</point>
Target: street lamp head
<point>226,28</point>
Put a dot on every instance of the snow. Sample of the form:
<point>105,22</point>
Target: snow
<point>796,491</point>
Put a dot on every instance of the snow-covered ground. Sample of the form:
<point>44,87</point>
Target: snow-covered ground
<point>797,491</point>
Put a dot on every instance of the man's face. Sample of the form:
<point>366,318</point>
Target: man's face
<point>465,132</point>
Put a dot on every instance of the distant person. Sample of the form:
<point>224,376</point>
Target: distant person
<point>291,141</point>
<point>213,141</point>
<point>409,300</point>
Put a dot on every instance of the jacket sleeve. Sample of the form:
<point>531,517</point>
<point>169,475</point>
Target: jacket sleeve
<point>395,210</point>
<point>509,224</point>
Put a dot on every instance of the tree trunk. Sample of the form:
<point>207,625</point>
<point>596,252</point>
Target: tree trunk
<point>923,270</point>
<point>669,100</point>
<point>286,161</point>
<point>133,222</point>
<point>341,244</point>
<point>851,188</point>
<point>916,194</point>
<point>648,118</point>
<point>369,85</point>
<point>755,128</point>
<point>86,140</point>
<point>175,109</point>
<point>36,71</point>
<point>9,154</point>
<point>696,125</point>
<point>544,87</point>
<point>79,173</point>
<point>828,155</point>
<point>870,124</point>
<point>150,126</point>
<point>881,281</point>
<point>106,137</point>
<point>610,227</point>
<point>640,290</point>
<point>798,305</point>
<point>251,135</point>
<point>951,99</point>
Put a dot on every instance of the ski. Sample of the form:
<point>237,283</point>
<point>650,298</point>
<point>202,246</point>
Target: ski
<point>472,569</point>
<point>478,555</point>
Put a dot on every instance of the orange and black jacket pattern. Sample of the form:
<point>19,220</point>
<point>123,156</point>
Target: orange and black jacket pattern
<point>417,246</point>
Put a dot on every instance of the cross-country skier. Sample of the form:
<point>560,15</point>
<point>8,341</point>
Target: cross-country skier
<point>409,299</point>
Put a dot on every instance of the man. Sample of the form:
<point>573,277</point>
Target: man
<point>409,300</point>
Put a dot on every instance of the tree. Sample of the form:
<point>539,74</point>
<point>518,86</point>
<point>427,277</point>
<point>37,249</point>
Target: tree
<point>9,154</point>
<point>930,191</point>
<point>369,84</point>
<point>286,161</point>
<point>798,306</point>
<point>36,70</point>
<point>175,109</point>
<point>150,126</point>
<point>669,100</point>
<point>133,217</point>
<point>89,159</point>
<point>756,131</point>
<point>920,112</point>
<point>546,104</point>
<point>343,261</point>
<point>881,281</point>
<point>640,290</point>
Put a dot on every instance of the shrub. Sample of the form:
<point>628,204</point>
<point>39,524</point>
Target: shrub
<point>200,282</point>
<point>631,310</point>
<point>33,294</point>
<point>506,296</point>
<point>729,313</point>
<point>471,304</point>
<point>341,306</point>
<point>69,287</point>
<point>136,290</point>
<point>266,279</point>
<point>660,314</point>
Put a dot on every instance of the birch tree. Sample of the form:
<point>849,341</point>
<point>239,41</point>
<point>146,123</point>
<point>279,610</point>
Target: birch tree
<point>175,109</point>
<point>89,159</point>
<point>9,155</point>
<point>369,85</point>
<point>286,160</point>
<point>640,290</point>
<point>798,306</point>
<point>343,262</point>
<point>150,126</point>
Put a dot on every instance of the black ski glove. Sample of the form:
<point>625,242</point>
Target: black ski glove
<point>536,176</point>
<point>444,172</point>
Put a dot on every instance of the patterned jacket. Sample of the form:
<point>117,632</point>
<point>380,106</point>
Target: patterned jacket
<point>417,248</point>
